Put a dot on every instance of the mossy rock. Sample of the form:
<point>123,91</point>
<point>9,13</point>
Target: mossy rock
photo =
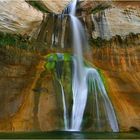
<point>53,59</point>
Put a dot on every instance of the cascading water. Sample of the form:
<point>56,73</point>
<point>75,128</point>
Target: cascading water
<point>82,76</point>
<point>79,86</point>
<point>64,107</point>
<point>99,90</point>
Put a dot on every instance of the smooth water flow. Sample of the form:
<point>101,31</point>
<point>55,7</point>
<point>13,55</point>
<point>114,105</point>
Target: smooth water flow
<point>86,81</point>
<point>79,86</point>
<point>64,107</point>
<point>80,90</point>
<point>99,92</point>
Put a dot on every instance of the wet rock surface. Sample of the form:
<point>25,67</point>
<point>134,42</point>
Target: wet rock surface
<point>16,77</point>
<point>120,65</point>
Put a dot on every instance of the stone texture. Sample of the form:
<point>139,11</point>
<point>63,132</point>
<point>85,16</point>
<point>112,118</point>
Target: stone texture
<point>16,97</point>
<point>56,6</point>
<point>120,66</point>
<point>19,17</point>
<point>120,19</point>
<point>28,101</point>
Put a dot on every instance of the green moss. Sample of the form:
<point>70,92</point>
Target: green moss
<point>100,8</point>
<point>88,64</point>
<point>7,39</point>
<point>15,40</point>
<point>52,61</point>
<point>103,78</point>
<point>55,61</point>
<point>60,66</point>
<point>125,41</point>
<point>98,42</point>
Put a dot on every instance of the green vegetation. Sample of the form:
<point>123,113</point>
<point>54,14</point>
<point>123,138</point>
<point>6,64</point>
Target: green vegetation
<point>97,42</point>
<point>53,63</point>
<point>38,5</point>
<point>103,78</point>
<point>88,64</point>
<point>59,66</point>
<point>129,40</point>
<point>53,59</point>
<point>99,8</point>
<point>15,40</point>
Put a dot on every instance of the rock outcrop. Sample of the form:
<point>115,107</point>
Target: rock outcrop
<point>19,17</point>
<point>56,6</point>
<point>17,75</point>
<point>120,18</point>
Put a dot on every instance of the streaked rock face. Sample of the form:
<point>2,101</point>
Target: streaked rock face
<point>122,18</point>
<point>16,93</point>
<point>120,64</point>
<point>122,21</point>
<point>56,6</point>
<point>18,17</point>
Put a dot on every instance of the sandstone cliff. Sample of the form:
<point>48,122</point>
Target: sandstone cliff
<point>27,94</point>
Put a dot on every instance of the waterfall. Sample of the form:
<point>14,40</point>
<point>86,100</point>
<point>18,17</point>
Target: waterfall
<point>64,106</point>
<point>99,90</point>
<point>83,80</point>
<point>79,87</point>
<point>81,75</point>
<point>80,90</point>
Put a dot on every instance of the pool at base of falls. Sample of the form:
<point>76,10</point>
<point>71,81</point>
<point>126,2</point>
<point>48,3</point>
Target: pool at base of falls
<point>69,135</point>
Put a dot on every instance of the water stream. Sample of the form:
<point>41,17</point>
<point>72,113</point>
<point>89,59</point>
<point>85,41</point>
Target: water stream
<point>64,107</point>
<point>83,79</point>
